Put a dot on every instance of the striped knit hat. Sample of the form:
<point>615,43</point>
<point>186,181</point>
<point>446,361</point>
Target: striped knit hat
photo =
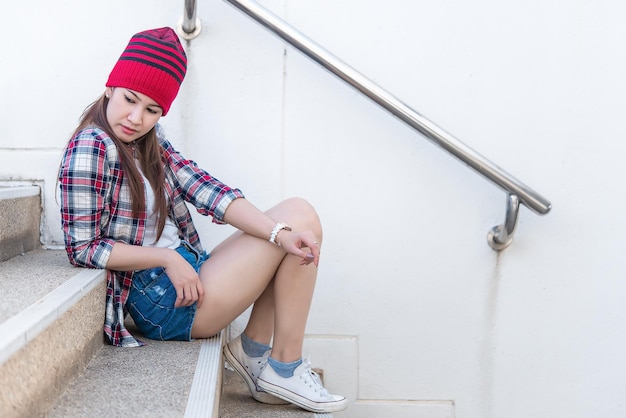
<point>154,63</point>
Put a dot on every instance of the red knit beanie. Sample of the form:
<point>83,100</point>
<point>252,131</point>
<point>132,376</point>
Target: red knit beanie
<point>154,63</point>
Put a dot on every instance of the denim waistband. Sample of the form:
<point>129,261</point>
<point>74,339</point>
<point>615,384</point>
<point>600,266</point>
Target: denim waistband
<point>186,250</point>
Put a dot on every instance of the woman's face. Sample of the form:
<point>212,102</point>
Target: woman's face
<point>131,114</point>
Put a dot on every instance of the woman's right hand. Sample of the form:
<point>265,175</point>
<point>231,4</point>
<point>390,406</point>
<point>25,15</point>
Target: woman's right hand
<point>186,281</point>
<point>125,257</point>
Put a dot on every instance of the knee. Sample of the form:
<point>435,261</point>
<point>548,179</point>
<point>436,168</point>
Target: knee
<point>302,215</point>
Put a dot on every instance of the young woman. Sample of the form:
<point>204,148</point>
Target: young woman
<point>123,193</point>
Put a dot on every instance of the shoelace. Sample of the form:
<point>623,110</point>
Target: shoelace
<point>311,378</point>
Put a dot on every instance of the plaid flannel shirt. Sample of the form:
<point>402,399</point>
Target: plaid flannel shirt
<point>96,211</point>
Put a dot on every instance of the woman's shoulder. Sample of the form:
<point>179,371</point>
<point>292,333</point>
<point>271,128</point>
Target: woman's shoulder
<point>92,139</point>
<point>93,133</point>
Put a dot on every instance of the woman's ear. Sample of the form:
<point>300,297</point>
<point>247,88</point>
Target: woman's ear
<point>108,92</point>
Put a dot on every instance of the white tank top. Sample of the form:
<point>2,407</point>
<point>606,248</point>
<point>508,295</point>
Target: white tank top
<point>169,237</point>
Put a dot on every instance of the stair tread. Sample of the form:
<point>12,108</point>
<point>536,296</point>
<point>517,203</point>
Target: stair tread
<point>236,402</point>
<point>149,381</point>
<point>26,278</point>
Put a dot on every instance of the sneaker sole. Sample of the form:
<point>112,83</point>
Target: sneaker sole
<point>302,402</point>
<point>262,397</point>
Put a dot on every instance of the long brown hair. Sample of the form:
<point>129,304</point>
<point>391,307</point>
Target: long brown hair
<point>150,157</point>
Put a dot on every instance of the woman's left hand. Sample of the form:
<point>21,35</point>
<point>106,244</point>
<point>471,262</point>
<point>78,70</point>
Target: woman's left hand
<point>295,242</point>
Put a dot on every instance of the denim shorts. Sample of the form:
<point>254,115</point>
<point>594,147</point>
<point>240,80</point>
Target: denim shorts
<point>152,297</point>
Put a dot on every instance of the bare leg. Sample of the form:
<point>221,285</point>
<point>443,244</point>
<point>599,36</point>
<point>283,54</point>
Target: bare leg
<point>244,270</point>
<point>260,326</point>
<point>291,312</point>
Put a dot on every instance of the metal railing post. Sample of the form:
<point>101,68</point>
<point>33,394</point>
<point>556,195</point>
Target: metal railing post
<point>189,25</point>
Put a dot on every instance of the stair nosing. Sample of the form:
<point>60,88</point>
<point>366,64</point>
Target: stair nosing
<point>15,192</point>
<point>205,390</point>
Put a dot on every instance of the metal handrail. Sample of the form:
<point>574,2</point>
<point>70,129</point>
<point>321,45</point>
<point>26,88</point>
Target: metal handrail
<point>500,236</point>
<point>189,25</point>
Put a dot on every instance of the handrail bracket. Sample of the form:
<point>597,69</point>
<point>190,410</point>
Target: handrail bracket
<point>501,236</point>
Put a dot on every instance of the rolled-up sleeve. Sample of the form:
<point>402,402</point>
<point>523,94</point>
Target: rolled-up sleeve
<point>207,194</point>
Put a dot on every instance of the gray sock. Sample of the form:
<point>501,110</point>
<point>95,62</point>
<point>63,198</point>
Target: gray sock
<point>253,348</point>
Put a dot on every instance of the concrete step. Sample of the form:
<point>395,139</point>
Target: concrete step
<point>162,379</point>
<point>28,277</point>
<point>236,402</point>
<point>53,361</point>
<point>20,214</point>
<point>51,326</point>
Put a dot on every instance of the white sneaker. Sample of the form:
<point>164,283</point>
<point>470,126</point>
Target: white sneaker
<point>249,368</point>
<point>304,389</point>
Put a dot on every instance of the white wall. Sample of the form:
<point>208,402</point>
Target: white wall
<point>414,315</point>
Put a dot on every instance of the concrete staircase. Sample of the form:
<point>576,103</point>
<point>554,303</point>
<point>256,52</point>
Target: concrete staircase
<point>54,362</point>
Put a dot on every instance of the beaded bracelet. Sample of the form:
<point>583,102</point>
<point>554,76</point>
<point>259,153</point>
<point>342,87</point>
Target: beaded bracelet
<point>279,227</point>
